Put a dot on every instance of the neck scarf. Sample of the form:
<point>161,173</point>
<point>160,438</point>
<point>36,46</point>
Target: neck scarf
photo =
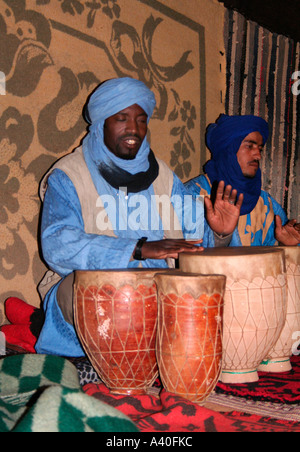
<point>224,139</point>
<point>109,99</point>
<point>117,177</point>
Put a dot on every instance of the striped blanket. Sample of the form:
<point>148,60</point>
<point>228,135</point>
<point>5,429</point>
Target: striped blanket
<point>40,393</point>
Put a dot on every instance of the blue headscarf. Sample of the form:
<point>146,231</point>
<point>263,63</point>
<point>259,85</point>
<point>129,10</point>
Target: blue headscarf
<point>224,139</point>
<point>110,98</point>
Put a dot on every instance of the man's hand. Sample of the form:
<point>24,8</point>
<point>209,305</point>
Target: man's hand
<point>288,235</point>
<point>169,248</point>
<point>223,215</point>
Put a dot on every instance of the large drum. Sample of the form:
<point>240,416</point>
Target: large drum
<point>278,358</point>
<point>255,304</point>
<point>189,333</point>
<point>116,320</point>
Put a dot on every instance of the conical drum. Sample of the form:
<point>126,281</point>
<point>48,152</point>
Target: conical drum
<point>255,303</point>
<point>189,333</point>
<point>278,358</point>
<point>116,320</point>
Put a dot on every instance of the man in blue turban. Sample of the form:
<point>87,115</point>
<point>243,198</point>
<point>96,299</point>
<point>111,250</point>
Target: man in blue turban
<point>111,204</point>
<point>236,144</point>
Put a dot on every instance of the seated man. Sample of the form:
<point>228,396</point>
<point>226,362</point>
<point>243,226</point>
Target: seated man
<point>236,144</point>
<point>105,207</point>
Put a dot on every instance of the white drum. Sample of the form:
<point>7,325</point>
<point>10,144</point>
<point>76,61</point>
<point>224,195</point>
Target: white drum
<point>278,358</point>
<point>255,303</point>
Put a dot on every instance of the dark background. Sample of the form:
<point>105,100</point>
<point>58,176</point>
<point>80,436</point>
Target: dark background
<point>278,16</point>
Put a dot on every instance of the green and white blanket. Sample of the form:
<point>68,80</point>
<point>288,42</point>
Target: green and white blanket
<point>41,393</point>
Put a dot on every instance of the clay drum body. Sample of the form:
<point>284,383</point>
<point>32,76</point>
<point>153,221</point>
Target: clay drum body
<point>255,304</point>
<point>116,321</point>
<point>278,358</point>
<point>189,333</point>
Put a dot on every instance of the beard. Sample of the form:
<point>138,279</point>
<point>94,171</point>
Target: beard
<point>126,154</point>
<point>128,157</point>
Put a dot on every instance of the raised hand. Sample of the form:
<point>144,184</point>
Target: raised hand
<point>223,215</point>
<point>289,234</point>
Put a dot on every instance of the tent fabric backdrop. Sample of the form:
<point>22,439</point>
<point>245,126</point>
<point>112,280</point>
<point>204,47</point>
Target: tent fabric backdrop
<point>261,70</point>
<point>53,53</point>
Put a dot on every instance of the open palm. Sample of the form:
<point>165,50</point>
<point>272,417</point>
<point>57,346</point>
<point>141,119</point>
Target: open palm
<point>289,234</point>
<point>223,215</point>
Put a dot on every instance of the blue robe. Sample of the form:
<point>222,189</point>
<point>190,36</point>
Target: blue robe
<point>256,228</point>
<point>66,247</point>
<point>65,244</point>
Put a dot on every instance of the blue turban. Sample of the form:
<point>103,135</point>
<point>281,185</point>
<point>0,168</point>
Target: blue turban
<point>110,98</point>
<point>224,139</point>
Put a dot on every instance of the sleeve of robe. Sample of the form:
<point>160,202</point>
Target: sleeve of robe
<point>65,245</point>
<point>270,239</point>
<point>190,211</point>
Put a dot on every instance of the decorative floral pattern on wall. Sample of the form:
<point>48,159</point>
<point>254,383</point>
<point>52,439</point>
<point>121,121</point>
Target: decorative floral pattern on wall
<point>184,112</point>
<point>53,54</point>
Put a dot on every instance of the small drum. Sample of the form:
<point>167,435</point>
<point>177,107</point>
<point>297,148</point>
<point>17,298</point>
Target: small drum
<point>116,320</point>
<point>189,333</point>
<point>278,358</point>
<point>255,304</point>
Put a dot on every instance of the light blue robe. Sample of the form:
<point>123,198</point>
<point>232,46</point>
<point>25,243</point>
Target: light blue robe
<point>66,247</point>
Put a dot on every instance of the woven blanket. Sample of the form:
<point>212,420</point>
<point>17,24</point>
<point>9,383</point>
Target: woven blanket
<point>226,409</point>
<point>40,393</point>
<point>271,387</point>
<point>161,411</point>
<point>228,403</point>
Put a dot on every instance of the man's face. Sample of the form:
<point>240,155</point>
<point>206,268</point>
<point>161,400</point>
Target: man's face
<point>249,154</point>
<point>125,131</point>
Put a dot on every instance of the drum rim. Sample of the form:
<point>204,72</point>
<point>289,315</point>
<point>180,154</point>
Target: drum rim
<point>236,251</point>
